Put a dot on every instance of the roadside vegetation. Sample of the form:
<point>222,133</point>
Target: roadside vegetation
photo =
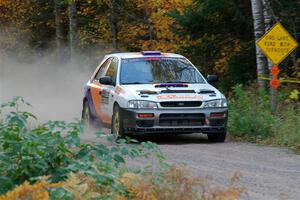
<point>50,162</point>
<point>250,118</point>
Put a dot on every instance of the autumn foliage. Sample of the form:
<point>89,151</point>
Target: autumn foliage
<point>217,36</point>
<point>174,183</point>
<point>26,191</point>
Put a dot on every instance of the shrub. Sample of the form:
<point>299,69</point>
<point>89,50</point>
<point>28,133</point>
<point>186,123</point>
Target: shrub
<point>54,149</point>
<point>288,130</point>
<point>250,118</point>
<point>249,114</point>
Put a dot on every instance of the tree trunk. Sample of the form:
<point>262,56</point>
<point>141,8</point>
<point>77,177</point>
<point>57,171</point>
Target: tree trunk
<point>73,28</point>
<point>112,17</point>
<point>59,30</point>
<point>259,30</point>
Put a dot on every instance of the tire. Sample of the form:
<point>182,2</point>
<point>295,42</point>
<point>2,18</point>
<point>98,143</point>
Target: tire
<point>116,124</point>
<point>217,137</point>
<point>87,116</point>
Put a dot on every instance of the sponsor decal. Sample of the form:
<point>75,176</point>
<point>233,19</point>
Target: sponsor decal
<point>118,90</point>
<point>105,96</point>
<point>174,96</point>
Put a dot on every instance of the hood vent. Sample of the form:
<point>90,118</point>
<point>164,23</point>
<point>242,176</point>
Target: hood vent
<point>147,92</point>
<point>206,92</point>
<point>177,91</point>
<point>167,85</point>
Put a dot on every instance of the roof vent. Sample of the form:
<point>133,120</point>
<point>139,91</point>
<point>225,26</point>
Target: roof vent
<point>151,53</point>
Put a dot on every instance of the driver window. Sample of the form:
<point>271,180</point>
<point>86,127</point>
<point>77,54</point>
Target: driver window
<point>113,69</point>
<point>102,69</point>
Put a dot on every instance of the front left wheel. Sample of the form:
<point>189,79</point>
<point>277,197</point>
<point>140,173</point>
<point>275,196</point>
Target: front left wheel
<point>87,115</point>
<point>117,125</point>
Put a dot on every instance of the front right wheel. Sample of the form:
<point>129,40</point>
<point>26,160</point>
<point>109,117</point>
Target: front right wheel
<point>217,137</point>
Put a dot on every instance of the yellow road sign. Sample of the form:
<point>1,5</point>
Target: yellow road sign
<point>277,44</point>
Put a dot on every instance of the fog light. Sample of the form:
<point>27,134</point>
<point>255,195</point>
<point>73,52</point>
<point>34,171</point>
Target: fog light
<point>217,115</point>
<point>146,115</point>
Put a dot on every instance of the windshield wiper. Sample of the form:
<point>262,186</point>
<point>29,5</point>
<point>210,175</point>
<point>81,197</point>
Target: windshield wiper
<point>132,83</point>
<point>177,82</point>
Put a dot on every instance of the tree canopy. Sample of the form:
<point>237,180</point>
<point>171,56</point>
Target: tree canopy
<point>216,35</point>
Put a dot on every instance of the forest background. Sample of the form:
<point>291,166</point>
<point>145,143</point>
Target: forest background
<point>217,36</point>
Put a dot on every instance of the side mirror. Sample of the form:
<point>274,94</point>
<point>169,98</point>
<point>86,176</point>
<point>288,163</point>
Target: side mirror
<point>106,80</point>
<point>212,78</point>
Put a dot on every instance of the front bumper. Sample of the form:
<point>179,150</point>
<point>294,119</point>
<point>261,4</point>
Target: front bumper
<point>175,121</point>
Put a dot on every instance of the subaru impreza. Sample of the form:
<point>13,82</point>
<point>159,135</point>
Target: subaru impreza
<point>154,93</point>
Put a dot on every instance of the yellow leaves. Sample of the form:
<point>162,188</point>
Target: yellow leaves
<point>177,184</point>
<point>155,31</point>
<point>86,11</point>
<point>294,95</point>
<point>227,50</point>
<point>138,188</point>
<point>82,187</point>
<point>26,191</point>
<point>129,180</point>
<point>174,183</point>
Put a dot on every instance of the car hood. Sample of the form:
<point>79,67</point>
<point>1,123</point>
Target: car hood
<point>173,92</point>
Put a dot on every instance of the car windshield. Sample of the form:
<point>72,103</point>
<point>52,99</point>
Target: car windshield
<point>158,70</point>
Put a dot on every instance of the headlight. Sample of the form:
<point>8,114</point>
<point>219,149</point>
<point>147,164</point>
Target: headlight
<point>142,104</point>
<point>218,103</point>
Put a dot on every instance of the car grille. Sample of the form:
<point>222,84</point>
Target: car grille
<point>170,104</point>
<point>197,119</point>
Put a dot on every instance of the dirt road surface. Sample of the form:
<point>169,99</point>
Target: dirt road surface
<point>267,172</point>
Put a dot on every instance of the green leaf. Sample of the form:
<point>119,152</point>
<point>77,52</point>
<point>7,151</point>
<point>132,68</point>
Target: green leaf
<point>119,159</point>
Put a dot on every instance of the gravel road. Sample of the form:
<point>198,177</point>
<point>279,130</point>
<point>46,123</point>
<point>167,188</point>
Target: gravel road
<point>267,172</point>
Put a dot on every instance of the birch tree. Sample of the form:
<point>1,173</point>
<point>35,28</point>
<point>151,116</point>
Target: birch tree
<point>73,25</point>
<point>259,30</point>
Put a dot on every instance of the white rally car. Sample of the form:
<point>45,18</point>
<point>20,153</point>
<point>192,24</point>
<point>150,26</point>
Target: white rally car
<point>153,92</point>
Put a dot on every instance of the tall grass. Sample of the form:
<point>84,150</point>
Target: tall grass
<point>250,118</point>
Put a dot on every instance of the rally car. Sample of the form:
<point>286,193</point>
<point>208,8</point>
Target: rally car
<point>153,92</point>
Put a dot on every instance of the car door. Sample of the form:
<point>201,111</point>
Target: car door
<point>96,88</point>
<point>108,91</point>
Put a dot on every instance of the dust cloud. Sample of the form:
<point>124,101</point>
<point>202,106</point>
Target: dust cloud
<point>54,90</point>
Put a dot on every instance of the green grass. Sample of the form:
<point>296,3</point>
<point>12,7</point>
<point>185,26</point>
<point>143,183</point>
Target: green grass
<point>250,118</point>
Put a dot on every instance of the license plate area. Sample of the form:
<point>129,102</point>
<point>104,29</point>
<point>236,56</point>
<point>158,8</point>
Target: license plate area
<point>192,119</point>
